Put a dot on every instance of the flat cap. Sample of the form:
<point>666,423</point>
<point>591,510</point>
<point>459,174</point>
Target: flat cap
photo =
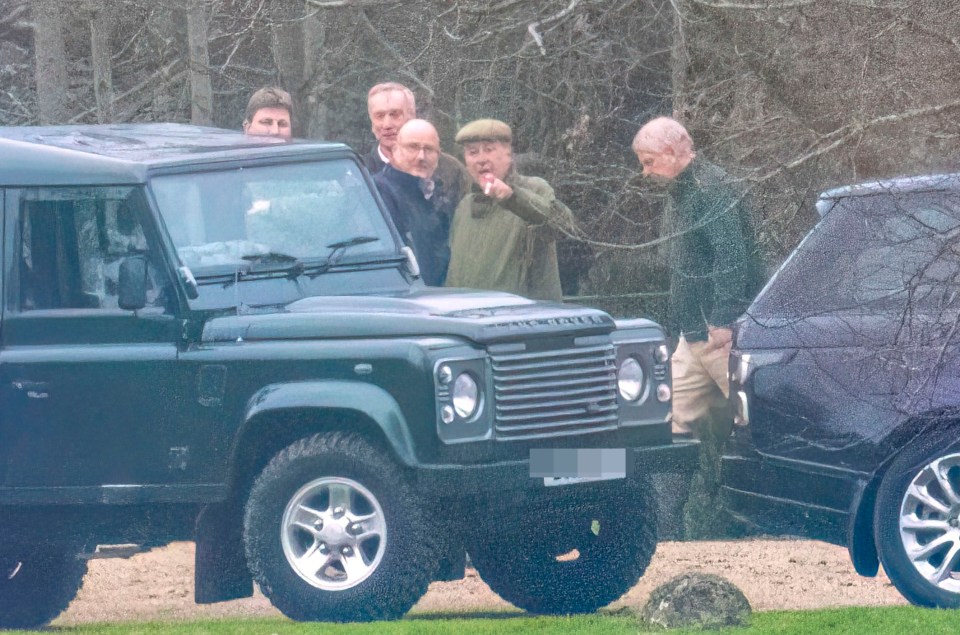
<point>484,130</point>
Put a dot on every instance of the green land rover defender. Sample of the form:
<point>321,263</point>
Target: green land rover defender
<point>220,338</point>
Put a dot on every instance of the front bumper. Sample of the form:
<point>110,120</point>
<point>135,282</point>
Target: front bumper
<point>458,481</point>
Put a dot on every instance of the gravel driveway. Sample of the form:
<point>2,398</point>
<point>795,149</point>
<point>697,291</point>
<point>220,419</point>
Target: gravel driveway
<point>774,574</point>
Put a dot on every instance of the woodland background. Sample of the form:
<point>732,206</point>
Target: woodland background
<point>794,96</point>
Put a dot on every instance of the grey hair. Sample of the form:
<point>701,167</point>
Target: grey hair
<point>663,133</point>
<point>388,86</point>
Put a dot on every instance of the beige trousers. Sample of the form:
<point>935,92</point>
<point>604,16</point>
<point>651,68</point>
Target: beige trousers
<point>700,384</point>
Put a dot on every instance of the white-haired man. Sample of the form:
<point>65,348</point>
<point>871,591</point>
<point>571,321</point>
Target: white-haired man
<point>715,269</point>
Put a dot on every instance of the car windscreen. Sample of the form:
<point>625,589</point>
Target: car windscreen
<point>880,253</point>
<point>303,211</point>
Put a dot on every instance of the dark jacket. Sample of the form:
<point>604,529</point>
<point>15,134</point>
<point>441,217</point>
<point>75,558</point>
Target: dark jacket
<point>715,264</point>
<point>424,223</point>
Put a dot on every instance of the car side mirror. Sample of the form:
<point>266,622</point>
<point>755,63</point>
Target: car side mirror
<point>132,292</point>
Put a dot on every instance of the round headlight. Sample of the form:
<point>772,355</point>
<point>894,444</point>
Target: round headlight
<point>466,396</point>
<point>630,379</point>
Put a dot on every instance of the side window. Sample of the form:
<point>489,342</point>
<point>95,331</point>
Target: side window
<point>874,253</point>
<point>71,243</point>
<point>909,254</point>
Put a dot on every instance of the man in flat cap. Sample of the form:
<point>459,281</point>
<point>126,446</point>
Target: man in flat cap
<point>420,205</point>
<point>503,236</point>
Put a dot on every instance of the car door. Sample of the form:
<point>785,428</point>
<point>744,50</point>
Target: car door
<point>90,391</point>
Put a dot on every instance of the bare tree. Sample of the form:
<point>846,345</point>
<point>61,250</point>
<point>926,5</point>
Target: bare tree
<point>101,27</point>
<point>313,111</point>
<point>201,90</point>
<point>51,61</point>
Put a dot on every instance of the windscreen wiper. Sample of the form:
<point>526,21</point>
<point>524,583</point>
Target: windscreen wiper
<point>270,262</point>
<point>350,242</point>
<point>337,250</point>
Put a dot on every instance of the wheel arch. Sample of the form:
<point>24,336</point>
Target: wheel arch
<point>941,425</point>
<point>276,416</point>
<point>279,414</point>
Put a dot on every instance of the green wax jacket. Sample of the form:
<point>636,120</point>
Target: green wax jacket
<point>509,245</point>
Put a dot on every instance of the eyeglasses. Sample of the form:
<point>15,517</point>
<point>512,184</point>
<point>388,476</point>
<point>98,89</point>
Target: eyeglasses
<point>417,148</point>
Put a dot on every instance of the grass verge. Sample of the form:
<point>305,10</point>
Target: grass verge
<point>876,621</point>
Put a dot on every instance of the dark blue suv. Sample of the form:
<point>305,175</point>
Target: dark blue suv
<point>845,378</point>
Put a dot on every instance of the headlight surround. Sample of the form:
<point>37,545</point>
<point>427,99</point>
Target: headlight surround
<point>465,396</point>
<point>630,379</point>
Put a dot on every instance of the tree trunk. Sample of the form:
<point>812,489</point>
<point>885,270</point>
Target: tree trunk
<point>679,61</point>
<point>101,25</point>
<point>51,61</point>
<point>287,30</point>
<point>201,91</point>
<point>313,115</point>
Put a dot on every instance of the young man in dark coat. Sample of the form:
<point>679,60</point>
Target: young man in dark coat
<point>420,204</point>
<point>269,113</point>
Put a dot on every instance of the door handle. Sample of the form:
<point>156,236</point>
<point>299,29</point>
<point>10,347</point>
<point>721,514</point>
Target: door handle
<point>32,389</point>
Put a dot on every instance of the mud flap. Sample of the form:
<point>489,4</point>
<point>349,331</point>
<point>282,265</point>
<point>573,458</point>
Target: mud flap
<point>220,564</point>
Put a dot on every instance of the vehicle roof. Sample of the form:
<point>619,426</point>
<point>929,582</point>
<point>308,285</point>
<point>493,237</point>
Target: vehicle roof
<point>900,185</point>
<point>125,153</point>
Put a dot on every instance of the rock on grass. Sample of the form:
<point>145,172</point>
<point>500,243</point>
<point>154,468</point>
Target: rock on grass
<point>696,600</point>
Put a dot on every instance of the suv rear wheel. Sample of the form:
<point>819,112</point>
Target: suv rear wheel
<point>36,585</point>
<point>575,552</point>
<point>333,532</point>
<point>917,521</point>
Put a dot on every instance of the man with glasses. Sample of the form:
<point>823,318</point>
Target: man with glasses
<point>421,206</point>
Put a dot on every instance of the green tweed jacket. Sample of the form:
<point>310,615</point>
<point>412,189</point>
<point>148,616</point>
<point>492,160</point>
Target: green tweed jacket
<point>715,265</point>
<point>510,245</point>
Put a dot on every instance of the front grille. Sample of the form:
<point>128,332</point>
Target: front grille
<point>556,392</point>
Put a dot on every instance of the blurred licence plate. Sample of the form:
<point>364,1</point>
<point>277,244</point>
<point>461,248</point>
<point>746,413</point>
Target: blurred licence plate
<point>567,466</point>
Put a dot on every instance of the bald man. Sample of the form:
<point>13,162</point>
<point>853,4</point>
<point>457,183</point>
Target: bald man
<point>715,268</point>
<point>420,203</point>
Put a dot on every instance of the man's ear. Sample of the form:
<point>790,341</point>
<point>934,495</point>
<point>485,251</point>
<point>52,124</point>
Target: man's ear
<point>246,124</point>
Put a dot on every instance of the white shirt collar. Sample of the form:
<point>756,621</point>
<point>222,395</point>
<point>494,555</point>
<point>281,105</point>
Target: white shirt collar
<point>383,157</point>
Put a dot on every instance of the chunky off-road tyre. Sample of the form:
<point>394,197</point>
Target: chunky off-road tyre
<point>37,585</point>
<point>570,551</point>
<point>333,532</point>
<point>917,523</point>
